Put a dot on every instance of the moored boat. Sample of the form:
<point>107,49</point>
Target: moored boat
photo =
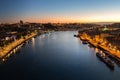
<point>84,42</point>
<point>105,59</point>
<point>76,36</point>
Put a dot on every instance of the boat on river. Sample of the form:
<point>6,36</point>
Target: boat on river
<point>105,59</point>
<point>84,42</point>
<point>76,35</point>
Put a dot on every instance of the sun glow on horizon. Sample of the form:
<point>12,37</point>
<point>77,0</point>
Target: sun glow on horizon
<point>68,18</point>
<point>75,19</point>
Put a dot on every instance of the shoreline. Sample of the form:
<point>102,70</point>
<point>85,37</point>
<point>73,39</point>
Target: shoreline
<point>111,53</point>
<point>7,49</point>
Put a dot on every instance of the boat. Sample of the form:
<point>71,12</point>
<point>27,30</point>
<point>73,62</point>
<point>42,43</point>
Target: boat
<point>84,42</point>
<point>105,59</point>
<point>110,64</point>
<point>76,36</point>
<point>102,58</point>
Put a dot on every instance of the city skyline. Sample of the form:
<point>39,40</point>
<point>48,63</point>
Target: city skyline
<point>60,11</point>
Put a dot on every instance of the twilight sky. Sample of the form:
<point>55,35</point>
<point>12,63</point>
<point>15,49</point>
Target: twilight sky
<point>60,10</point>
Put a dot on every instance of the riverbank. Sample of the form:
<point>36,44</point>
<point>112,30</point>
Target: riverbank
<point>6,49</point>
<point>113,54</point>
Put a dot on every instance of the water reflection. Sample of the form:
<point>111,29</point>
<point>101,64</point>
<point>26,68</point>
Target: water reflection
<point>54,37</point>
<point>42,36</point>
<point>96,50</point>
<point>41,39</point>
<point>14,51</point>
<point>48,34</point>
<point>62,60</point>
<point>33,42</point>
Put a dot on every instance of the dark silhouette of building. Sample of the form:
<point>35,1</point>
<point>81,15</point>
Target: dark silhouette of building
<point>21,22</point>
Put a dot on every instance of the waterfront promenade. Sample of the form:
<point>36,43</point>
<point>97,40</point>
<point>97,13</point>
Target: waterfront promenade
<point>6,49</point>
<point>113,53</point>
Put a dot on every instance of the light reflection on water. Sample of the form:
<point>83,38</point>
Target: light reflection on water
<point>33,42</point>
<point>57,56</point>
<point>14,51</point>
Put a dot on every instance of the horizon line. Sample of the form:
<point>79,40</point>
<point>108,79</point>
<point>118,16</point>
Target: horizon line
<point>59,22</point>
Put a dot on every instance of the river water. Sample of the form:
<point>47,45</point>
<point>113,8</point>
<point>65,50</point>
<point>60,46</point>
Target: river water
<point>56,56</point>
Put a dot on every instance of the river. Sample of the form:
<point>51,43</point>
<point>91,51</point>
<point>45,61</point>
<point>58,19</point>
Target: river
<point>56,56</point>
